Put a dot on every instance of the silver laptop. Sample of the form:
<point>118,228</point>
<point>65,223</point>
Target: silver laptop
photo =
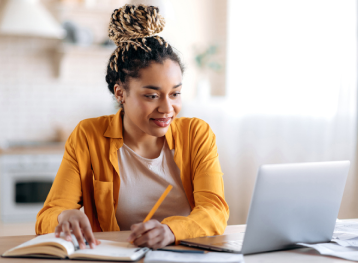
<point>291,203</point>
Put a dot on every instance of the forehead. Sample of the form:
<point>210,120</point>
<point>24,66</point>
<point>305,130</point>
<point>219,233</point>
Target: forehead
<point>167,72</point>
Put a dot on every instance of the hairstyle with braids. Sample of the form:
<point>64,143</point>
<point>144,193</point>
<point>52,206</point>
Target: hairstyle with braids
<point>132,28</point>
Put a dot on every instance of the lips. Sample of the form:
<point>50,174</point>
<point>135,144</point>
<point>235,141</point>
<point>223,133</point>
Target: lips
<point>162,122</point>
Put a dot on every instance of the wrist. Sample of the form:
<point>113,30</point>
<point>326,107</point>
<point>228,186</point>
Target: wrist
<point>170,234</point>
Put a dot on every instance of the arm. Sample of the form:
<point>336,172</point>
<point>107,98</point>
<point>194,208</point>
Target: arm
<point>211,212</point>
<point>65,193</point>
<point>61,209</point>
<point>201,169</point>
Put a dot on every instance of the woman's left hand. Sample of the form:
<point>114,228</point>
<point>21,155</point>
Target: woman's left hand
<point>151,234</point>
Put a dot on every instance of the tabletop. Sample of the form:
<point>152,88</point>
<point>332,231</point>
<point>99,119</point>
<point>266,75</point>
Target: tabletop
<point>294,255</point>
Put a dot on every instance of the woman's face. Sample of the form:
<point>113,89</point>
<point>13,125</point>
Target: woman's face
<point>153,100</point>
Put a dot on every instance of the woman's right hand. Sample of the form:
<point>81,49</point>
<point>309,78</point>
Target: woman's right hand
<point>78,222</point>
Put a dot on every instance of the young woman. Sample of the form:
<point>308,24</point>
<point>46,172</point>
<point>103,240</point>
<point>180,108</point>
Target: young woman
<point>117,166</point>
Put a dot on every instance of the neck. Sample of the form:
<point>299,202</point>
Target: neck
<point>145,145</point>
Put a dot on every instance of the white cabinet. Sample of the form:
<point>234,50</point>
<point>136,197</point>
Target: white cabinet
<point>25,180</point>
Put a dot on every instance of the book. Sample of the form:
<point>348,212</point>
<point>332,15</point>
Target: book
<point>49,246</point>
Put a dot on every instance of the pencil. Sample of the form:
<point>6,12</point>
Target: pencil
<point>158,203</point>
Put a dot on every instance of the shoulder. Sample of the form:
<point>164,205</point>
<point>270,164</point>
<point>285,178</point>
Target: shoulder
<point>97,124</point>
<point>192,136</point>
<point>92,127</point>
<point>191,126</point>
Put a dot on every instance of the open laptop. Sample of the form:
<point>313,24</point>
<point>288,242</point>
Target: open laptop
<point>291,203</point>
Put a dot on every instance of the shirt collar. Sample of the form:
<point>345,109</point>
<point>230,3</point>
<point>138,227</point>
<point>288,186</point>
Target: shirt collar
<point>114,129</point>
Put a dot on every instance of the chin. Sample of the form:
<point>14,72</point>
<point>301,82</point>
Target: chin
<point>159,132</point>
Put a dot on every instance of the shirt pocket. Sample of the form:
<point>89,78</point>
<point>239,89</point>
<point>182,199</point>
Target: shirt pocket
<point>103,197</point>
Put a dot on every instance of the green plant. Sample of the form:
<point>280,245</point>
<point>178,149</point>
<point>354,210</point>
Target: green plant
<point>206,59</point>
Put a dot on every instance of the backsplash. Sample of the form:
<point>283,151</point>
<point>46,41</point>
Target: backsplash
<point>34,102</point>
<point>47,88</point>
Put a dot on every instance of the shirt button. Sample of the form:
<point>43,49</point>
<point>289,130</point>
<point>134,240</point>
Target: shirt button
<point>150,167</point>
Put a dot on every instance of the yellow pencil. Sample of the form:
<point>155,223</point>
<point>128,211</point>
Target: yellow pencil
<point>158,203</point>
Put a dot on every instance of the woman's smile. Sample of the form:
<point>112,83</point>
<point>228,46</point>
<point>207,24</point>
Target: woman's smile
<point>162,122</point>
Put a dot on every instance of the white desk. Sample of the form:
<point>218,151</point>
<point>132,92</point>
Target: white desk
<point>288,256</point>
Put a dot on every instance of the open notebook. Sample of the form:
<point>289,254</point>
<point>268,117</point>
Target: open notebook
<point>48,246</point>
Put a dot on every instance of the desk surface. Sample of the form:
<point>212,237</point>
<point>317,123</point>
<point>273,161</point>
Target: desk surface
<point>295,255</point>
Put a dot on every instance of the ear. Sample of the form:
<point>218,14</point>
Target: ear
<point>119,93</point>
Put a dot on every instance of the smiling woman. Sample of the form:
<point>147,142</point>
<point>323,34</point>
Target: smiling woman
<point>152,101</point>
<point>117,166</point>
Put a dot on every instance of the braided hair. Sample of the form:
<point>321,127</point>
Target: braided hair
<point>132,28</point>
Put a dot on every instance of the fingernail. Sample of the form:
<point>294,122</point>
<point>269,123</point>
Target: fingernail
<point>82,246</point>
<point>93,245</point>
<point>68,238</point>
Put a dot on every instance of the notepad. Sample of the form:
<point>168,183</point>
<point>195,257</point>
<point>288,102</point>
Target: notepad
<point>53,247</point>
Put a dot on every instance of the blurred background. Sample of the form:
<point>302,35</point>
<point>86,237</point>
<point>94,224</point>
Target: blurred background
<point>276,80</point>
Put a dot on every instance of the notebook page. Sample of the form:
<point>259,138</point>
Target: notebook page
<point>108,250</point>
<point>47,240</point>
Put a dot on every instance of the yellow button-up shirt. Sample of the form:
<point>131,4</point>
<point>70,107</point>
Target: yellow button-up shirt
<point>89,176</point>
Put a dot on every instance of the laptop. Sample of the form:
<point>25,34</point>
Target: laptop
<point>291,203</point>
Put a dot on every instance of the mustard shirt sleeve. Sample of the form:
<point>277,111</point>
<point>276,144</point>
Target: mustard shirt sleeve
<point>211,212</point>
<point>65,192</point>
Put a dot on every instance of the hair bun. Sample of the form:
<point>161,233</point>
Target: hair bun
<point>131,22</point>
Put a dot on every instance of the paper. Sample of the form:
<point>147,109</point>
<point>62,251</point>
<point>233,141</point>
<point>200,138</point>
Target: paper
<point>331,249</point>
<point>350,227</point>
<point>347,243</point>
<point>164,256</point>
<point>346,233</point>
<point>345,238</point>
<point>109,248</point>
<point>48,239</point>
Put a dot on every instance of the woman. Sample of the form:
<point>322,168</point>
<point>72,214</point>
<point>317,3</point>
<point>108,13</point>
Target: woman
<point>117,166</point>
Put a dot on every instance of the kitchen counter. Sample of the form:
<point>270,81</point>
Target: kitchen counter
<point>45,148</point>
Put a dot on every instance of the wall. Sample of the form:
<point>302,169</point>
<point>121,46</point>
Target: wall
<point>44,90</point>
<point>34,102</point>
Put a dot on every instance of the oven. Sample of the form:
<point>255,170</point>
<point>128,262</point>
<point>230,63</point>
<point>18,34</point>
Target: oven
<point>25,180</point>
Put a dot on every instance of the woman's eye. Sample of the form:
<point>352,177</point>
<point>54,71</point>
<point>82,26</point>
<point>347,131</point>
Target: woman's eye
<point>151,96</point>
<point>176,94</point>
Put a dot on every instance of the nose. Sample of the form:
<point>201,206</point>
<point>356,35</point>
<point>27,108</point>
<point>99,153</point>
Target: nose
<point>165,106</point>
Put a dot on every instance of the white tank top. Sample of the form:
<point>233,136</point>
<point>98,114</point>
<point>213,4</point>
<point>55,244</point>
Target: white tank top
<point>142,182</point>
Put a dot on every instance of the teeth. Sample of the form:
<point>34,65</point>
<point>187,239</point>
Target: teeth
<point>165,121</point>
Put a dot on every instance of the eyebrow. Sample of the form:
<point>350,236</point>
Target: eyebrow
<point>157,88</point>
